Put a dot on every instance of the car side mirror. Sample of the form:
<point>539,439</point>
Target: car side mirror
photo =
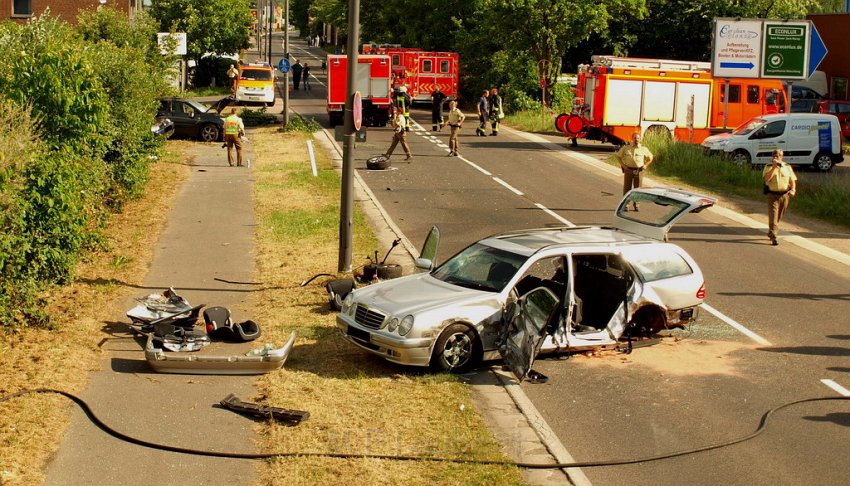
<point>191,114</point>
<point>423,264</point>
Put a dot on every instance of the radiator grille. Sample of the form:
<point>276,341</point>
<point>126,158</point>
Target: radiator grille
<point>368,318</point>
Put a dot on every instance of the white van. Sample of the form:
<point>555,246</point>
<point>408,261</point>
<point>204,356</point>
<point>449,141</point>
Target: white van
<point>805,138</point>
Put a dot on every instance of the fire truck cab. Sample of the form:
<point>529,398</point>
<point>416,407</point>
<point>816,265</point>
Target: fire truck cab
<point>372,79</point>
<point>421,71</point>
<point>617,96</point>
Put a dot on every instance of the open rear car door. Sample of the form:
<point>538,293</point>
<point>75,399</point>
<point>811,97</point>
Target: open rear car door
<point>660,208</point>
<point>524,328</point>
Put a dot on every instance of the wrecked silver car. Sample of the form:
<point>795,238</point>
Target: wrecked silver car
<point>519,293</point>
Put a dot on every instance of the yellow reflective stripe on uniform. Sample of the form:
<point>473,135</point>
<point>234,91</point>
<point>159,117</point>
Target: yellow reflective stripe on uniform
<point>231,126</point>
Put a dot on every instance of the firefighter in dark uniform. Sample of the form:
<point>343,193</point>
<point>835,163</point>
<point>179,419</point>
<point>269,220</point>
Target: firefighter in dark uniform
<point>481,107</point>
<point>437,99</point>
<point>495,111</point>
<point>402,100</point>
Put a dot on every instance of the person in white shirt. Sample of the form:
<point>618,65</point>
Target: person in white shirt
<point>400,136</point>
<point>454,121</point>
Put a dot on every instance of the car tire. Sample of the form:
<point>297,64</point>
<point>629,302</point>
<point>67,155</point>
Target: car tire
<point>387,271</point>
<point>209,133</point>
<point>740,157</point>
<point>378,162</point>
<point>456,350</point>
<point>823,162</point>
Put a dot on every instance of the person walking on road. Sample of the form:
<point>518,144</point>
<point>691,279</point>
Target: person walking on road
<point>437,99</point>
<point>232,75</point>
<point>305,76</point>
<point>400,135</point>
<point>234,129</point>
<point>402,100</point>
<point>297,68</point>
<point>634,158</point>
<point>495,112</point>
<point>455,120</point>
<point>780,183</point>
<point>482,114</point>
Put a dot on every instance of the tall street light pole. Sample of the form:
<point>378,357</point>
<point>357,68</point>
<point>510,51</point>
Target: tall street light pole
<point>286,55</point>
<point>346,212</point>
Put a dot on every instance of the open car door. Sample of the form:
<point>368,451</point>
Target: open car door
<point>428,256</point>
<point>659,207</point>
<point>524,329</point>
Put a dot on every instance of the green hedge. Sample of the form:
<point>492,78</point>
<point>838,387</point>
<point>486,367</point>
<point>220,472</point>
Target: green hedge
<point>75,142</point>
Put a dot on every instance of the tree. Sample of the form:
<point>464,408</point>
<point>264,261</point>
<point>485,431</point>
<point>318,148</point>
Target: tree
<point>220,26</point>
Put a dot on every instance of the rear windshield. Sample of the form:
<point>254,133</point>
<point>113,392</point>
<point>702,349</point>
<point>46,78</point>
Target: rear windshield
<point>257,74</point>
<point>659,263</point>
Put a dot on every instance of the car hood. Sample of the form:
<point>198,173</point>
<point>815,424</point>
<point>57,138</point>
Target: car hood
<point>716,138</point>
<point>416,294</point>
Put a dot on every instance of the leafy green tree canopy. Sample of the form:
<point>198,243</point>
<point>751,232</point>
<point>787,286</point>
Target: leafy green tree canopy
<point>219,26</point>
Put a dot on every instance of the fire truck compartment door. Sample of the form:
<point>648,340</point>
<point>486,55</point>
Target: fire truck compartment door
<point>362,78</point>
<point>622,103</point>
<point>658,101</point>
<point>701,93</point>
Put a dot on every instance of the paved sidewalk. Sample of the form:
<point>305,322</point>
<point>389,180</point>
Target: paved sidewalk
<point>209,236</point>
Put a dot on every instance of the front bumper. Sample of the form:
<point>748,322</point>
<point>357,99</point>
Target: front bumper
<point>261,96</point>
<point>398,349</point>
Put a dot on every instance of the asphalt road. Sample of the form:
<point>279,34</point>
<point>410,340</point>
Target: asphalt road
<point>710,384</point>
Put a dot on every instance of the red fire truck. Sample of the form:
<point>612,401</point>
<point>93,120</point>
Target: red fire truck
<point>421,71</point>
<point>618,96</point>
<point>372,79</point>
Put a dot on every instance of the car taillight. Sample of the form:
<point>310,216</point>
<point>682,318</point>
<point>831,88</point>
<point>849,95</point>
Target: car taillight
<point>701,291</point>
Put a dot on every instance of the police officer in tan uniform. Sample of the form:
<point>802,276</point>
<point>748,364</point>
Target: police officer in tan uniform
<point>455,120</point>
<point>634,158</point>
<point>781,186</point>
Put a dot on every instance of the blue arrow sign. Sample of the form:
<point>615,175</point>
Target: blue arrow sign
<point>283,65</point>
<point>817,50</point>
<point>737,65</point>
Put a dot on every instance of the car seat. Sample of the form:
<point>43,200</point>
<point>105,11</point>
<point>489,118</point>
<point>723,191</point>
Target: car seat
<point>220,325</point>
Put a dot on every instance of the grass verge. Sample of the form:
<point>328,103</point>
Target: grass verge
<point>677,161</point>
<point>31,427</point>
<point>358,403</point>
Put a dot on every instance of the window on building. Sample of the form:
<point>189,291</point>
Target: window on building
<point>753,95</point>
<point>22,7</point>
<point>838,90</point>
<point>444,66</point>
<point>427,66</point>
<point>734,93</point>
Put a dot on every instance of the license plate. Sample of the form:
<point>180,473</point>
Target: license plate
<point>359,334</point>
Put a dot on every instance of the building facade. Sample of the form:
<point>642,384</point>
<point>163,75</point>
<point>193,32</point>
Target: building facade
<point>67,10</point>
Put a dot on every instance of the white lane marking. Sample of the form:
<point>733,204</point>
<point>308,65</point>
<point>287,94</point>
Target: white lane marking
<point>476,166</point>
<point>838,388</point>
<point>723,317</point>
<point>555,215</point>
<point>510,187</point>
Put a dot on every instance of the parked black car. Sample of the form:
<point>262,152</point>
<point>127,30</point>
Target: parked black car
<point>192,119</point>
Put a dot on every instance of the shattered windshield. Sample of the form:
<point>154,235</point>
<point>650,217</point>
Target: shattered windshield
<point>480,267</point>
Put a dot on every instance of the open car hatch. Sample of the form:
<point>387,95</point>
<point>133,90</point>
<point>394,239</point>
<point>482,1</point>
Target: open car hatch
<point>524,329</point>
<point>660,208</point>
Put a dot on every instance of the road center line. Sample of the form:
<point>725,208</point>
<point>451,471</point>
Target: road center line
<point>755,337</point>
<point>838,388</point>
<point>555,215</point>
<point>476,166</point>
<point>510,187</point>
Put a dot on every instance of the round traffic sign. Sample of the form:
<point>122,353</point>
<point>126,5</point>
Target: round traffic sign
<point>283,65</point>
<point>357,108</point>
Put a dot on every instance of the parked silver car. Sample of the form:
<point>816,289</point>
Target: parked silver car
<point>519,293</point>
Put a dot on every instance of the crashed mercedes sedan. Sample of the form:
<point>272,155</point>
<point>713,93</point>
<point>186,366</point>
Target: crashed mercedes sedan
<point>519,293</point>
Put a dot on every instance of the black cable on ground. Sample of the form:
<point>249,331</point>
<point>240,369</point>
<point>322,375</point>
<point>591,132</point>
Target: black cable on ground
<point>271,455</point>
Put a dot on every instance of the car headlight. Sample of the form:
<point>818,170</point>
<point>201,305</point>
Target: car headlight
<point>348,305</point>
<point>722,143</point>
<point>393,324</point>
<point>405,325</point>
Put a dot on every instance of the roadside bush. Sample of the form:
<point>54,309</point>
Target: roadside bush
<point>254,118</point>
<point>209,68</point>
<point>301,124</point>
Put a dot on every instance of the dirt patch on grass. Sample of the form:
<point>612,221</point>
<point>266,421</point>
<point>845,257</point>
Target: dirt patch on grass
<point>30,427</point>
<point>358,403</point>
